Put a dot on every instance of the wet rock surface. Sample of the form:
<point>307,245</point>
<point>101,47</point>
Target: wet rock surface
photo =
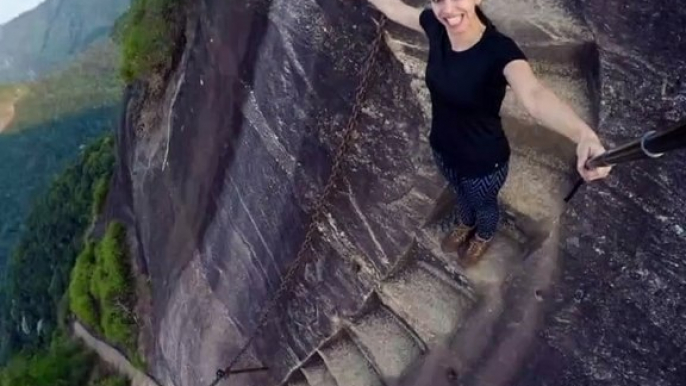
<point>221,189</point>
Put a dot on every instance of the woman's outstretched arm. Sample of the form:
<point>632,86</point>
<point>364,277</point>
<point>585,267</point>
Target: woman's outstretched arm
<point>400,13</point>
<point>554,114</point>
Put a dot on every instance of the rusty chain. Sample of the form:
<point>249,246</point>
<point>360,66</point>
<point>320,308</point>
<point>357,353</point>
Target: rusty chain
<point>320,205</point>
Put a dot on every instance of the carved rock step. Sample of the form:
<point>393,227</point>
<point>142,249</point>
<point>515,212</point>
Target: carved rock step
<point>429,304</point>
<point>535,190</point>
<point>577,54</point>
<point>537,20</point>
<point>317,374</point>
<point>542,168</point>
<point>347,364</point>
<point>387,341</point>
<point>568,83</point>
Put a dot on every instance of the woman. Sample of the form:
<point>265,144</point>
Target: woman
<point>469,66</point>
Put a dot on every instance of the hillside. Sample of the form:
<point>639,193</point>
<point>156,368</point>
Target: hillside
<point>30,160</point>
<point>90,81</point>
<point>56,155</point>
<point>51,120</point>
<point>48,37</point>
<point>37,273</point>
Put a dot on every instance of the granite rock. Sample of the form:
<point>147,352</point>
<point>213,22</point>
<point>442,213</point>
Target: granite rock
<point>219,191</point>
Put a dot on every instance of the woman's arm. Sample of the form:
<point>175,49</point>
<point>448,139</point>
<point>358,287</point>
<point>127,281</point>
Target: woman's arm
<point>400,13</point>
<point>553,113</point>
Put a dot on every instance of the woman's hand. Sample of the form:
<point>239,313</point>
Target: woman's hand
<point>399,12</point>
<point>588,147</point>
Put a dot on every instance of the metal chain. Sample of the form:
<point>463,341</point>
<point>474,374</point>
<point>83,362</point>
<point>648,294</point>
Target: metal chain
<point>320,205</point>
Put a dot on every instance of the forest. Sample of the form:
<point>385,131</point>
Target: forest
<point>33,293</point>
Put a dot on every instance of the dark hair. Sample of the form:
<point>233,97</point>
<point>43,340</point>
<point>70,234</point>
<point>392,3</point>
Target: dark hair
<point>482,16</point>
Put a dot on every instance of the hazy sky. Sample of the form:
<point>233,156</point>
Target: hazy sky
<point>9,9</point>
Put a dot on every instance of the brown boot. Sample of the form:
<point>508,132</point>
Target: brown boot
<point>456,238</point>
<point>476,250</point>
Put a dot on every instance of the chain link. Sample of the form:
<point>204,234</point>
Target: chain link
<point>320,205</point>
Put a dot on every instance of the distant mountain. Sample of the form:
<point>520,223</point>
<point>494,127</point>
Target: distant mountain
<point>48,37</point>
<point>51,120</point>
<point>88,82</point>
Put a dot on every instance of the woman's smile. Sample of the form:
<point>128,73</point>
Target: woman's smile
<point>454,21</point>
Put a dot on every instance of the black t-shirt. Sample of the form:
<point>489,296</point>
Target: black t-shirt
<point>467,89</point>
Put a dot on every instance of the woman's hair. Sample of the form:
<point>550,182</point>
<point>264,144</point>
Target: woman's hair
<point>482,16</point>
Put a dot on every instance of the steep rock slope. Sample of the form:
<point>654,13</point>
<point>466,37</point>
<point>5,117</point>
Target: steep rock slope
<point>47,37</point>
<point>220,189</point>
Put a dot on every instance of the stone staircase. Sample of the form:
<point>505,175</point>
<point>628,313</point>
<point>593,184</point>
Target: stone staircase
<point>412,309</point>
<point>428,300</point>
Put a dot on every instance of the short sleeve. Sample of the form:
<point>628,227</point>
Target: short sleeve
<point>428,21</point>
<point>508,51</point>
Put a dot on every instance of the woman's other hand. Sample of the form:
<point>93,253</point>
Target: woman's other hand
<point>399,12</point>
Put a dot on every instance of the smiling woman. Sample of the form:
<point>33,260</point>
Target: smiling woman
<point>469,68</point>
<point>13,8</point>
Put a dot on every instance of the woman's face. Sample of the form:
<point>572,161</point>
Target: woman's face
<point>457,16</point>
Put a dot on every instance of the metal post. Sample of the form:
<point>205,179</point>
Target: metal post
<point>651,145</point>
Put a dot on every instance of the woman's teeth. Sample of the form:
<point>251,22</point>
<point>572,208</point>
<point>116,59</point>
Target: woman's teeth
<point>453,21</point>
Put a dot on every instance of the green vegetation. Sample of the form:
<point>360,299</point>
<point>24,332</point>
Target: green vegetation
<point>113,285</point>
<point>53,119</point>
<point>100,290</point>
<point>99,195</point>
<point>31,159</point>
<point>111,381</point>
<point>81,302</point>
<point>90,82</point>
<point>62,363</point>
<point>56,162</point>
<point>35,303</point>
<point>38,271</point>
<point>148,33</point>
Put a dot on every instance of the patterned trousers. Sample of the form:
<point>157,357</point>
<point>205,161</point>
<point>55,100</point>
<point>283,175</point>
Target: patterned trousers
<point>477,198</point>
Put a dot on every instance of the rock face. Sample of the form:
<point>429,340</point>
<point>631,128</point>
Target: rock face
<point>617,315</point>
<point>220,190</point>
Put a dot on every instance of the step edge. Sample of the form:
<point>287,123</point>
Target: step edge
<point>326,368</point>
<point>425,337</point>
<point>366,353</point>
<point>374,303</point>
<point>406,332</point>
<point>342,335</point>
<point>443,277</point>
